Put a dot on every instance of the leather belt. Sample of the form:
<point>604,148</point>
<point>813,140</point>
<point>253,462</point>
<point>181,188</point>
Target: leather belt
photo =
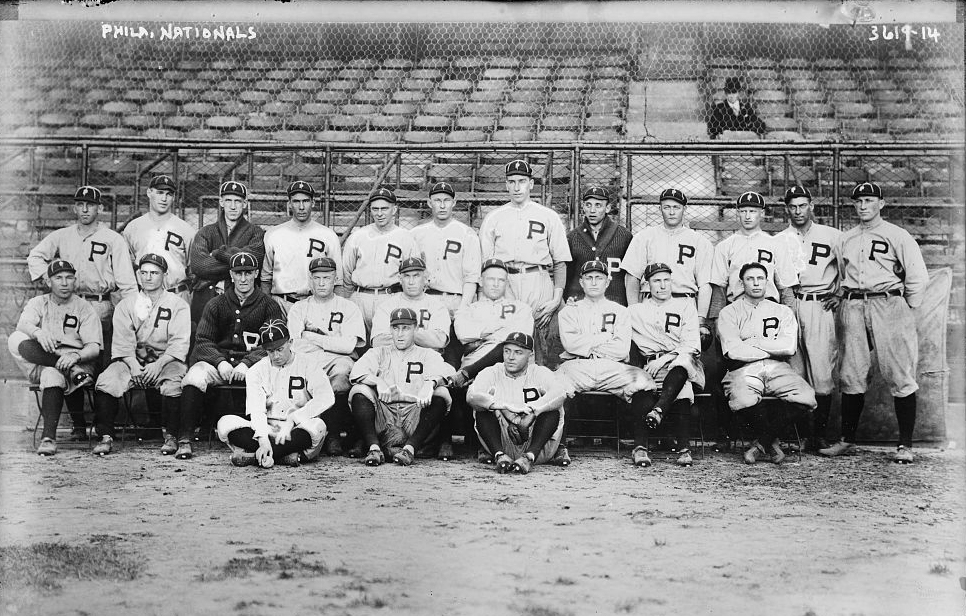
<point>291,297</point>
<point>813,297</point>
<point>377,290</point>
<point>861,295</point>
<point>524,270</point>
<point>92,297</point>
<point>437,292</point>
<point>690,295</point>
<point>179,288</point>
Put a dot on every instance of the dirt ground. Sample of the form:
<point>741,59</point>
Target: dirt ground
<point>821,537</point>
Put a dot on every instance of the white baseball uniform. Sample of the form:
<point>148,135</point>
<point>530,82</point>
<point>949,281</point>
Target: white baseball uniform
<point>289,248</point>
<point>684,250</point>
<point>671,326</point>
<point>739,249</point>
<point>485,323</point>
<point>370,261</point>
<point>169,237</point>
<point>430,310</point>
<point>344,332</point>
<point>452,256</point>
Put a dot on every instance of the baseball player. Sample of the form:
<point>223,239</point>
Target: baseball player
<point>757,337</point>
<point>817,300</point>
<point>883,277</point>
<point>597,237</point>
<point>530,238</point>
<point>664,329</point>
<point>372,254</point>
<point>159,231</point>
<point>56,344</point>
<point>518,408</point>
<point>433,325</point>
<point>290,246</point>
<point>329,328</point>
<point>152,332</point>
<point>227,338</point>
<point>215,244</point>
<point>286,394</point>
<point>397,398</point>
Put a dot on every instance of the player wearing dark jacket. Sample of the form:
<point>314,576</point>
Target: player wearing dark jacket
<point>597,238</point>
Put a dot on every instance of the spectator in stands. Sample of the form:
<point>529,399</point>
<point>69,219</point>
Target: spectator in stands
<point>597,237</point>
<point>734,113</point>
<point>217,243</point>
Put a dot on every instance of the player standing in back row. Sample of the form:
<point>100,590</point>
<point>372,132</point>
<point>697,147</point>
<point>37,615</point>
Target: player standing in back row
<point>597,238</point>
<point>530,238</point>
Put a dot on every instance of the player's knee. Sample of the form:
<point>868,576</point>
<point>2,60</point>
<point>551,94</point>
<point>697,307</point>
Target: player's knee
<point>742,398</point>
<point>228,424</point>
<point>13,344</point>
<point>52,377</point>
<point>340,382</point>
<point>196,377</point>
<point>171,388</point>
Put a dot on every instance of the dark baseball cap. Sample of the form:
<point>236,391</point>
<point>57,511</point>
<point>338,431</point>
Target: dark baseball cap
<point>59,265</point>
<point>518,167</point>
<point>593,266</point>
<point>795,192</point>
<point>412,264</point>
<point>595,192</point>
<point>273,334</point>
<point>403,316</point>
<point>750,199</point>
<point>299,186</point>
<point>154,259</point>
<point>674,195</point>
<point>163,182</point>
<point>322,264</point>
<point>382,194</point>
<point>88,194</point>
<point>867,189</point>
<point>442,187</point>
<point>494,263</point>
<point>656,268</point>
<point>243,262</point>
<point>232,187</point>
<point>524,341</point>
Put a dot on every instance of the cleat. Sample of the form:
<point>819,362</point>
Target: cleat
<point>903,455</point>
<point>374,457</point>
<point>503,463</point>
<point>685,458</point>
<point>522,465</point>
<point>242,458</point>
<point>654,418</point>
<point>561,458</point>
<point>445,452</point>
<point>355,451</point>
<point>816,444</point>
<point>184,450</point>
<point>483,456</point>
<point>751,456</point>
<point>841,448</point>
<point>333,446</point>
<point>291,459</point>
<point>48,447</point>
<point>78,434</point>
<point>104,447</point>
<point>640,457</point>
<point>777,454</point>
<point>170,445</point>
<point>403,457</point>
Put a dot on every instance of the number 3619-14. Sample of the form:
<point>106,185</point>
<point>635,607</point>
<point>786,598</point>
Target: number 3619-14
<point>906,32</point>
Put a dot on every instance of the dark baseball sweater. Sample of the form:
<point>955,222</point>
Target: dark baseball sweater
<point>611,243</point>
<point>228,330</point>
<point>213,248</point>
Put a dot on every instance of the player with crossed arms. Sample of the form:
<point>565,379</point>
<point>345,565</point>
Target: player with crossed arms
<point>433,325</point>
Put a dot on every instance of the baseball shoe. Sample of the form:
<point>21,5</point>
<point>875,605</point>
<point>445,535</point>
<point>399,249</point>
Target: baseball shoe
<point>904,455</point>
<point>685,458</point>
<point>777,454</point>
<point>841,448</point>
<point>104,447</point>
<point>291,459</point>
<point>816,444</point>
<point>561,458</point>
<point>403,457</point>
<point>640,457</point>
<point>503,463</point>
<point>751,456</point>
<point>243,458</point>
<point>170,445</point>
<point>522,465</point>
<point>333,446</point>
<point>654,418</point>
<point>355,451</point>
<point>374,457</point>
<point>78,434</point>
<point>483,456</point>
<point>184,450</point>
<point>48,447</point>
<point>445,451</point>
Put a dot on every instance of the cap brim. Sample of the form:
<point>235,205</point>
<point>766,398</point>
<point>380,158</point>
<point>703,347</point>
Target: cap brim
<point>274,344</point>
<point>518,345</point>
<point>244,268</point>
<point>402,322</point>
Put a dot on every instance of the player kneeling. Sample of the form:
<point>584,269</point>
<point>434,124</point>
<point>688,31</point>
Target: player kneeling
<point>285,395</point>
<point>518,408</point>
<point>397,400</point>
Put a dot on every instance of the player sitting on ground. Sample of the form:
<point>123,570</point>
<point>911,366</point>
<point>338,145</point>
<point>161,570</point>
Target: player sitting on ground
<point>57,345</point>
<point>433,322</point>
<point>152,332</point>
<point>397,398</point>
<point>757,337</point>
<point>665,335</point>
<point>285,395</point>
<point>518,408</point>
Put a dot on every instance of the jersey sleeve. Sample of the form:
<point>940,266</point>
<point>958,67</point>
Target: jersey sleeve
<point>482,392</point>
<point>690,343</point>
<point>719,265</point>
<point>367,366</point>
<point>180,340</point>
<point>90,330</point>
<point>633,261</point>
<point>296,319</point>
<point>349,259</point>
<point>42,254</point>
<point>257,391</point>
<point>380,318</point>
<point>559,247</point>
<point>32,316</point>
<point>334,251</point>
<point>124,277</point>
<point>575,341</point>
<point>785,340</point>
<point>321,396</point>
<point>729,333</point>
<point>268,265</point>
<point>703,261</point>
<point>202,264</point>
<point>123,337</point>
<point>472,259</point>
<point>916,274</point>
<point>487,237</point>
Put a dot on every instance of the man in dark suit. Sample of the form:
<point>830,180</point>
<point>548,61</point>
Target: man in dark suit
<point>733,113</point>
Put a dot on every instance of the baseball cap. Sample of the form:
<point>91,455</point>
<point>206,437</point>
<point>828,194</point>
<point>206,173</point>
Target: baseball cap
<point>163,182</point>
<point>750,199</point>
<point>442,187</point>
<point>154,259</point>
<point>494,263</point>
<point>595,192</point>
<point>656,268</point>
<point>322,264</point>
<point>867,189</point>
<point>518,167</point>
<point>383,194</point>
<point>232,187</point>
<point>273,334</point>
<point>401,316</point>
<point>674,195</point>
<point>298,186</point>
<point>795,192</point>
<point>59,265</point>
<point>593,266</point>
<point>524,341</point>
<point>243,262</point>
<point>412,264</point>
<point>88,194</point>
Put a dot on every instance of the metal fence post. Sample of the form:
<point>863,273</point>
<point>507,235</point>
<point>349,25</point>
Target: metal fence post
<point>836,174</point>
<point>327,190</point>
<point>628,188</point>
<point>575,184</point>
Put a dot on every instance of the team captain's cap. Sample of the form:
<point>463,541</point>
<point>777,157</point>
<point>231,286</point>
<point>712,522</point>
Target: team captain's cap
<point>524,341</point>
<point>59,265</point>
<point>442,187</point>
<point>243,262</point>
<point>795,192</point>
<point>382,194</point>
<point>750,199</point>
<point>163,182</point>
<point>232,187</point>
<point>154,259</point>
<point>88,194</point>
<point>655,268</point>
<point>494,263</point>
<point>518,167</point>
<point>273,334</point>
<point>412,264</point>
<point>298,186</point>
<point>402,316</point>
<point>322,264</point>
<point>593,266</point>
<point>674,195</point>
<point>595,192</point>
<point>867,189</point>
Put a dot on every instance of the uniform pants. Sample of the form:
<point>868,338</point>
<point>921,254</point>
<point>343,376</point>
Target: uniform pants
<point>818,352</point>
<point>745,386</point>
<point>536,288</point>
<point>233,430</point>
<point>515,443</point>
<point>884,329</point>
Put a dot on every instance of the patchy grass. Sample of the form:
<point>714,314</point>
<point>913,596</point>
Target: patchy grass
<point>367,601</point>
<point>939,569</point>
<point>293,563</point>
<point>564,581</point>
<point>659,543</point>
<point>541,610</point>
<point>47,566</point>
